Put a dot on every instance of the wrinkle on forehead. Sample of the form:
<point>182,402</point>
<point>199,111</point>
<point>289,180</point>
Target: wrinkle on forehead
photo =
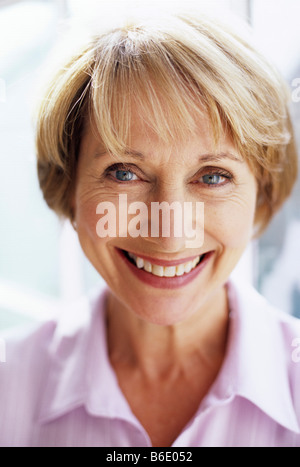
<point>142,134</point>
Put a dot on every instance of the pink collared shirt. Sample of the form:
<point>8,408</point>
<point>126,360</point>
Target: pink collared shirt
<point>57,387</point>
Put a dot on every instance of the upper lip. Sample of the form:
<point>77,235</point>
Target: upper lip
<point>164,262</point>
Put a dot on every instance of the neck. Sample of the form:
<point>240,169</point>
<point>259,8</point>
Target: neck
<point>156,350</point>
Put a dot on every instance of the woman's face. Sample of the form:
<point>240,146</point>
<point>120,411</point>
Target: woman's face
<point>186,171</point>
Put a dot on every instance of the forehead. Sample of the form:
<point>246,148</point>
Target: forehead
<point>144,140</point>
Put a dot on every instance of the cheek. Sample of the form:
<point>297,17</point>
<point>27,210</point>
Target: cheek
<point>87,199</point>
<point>94,247</point>
<point>86,217</point>
<point>231,224</point>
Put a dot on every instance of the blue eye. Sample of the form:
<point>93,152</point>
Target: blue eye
<point>213,179</point>
<point>124,175</point>
<point>121,173</point>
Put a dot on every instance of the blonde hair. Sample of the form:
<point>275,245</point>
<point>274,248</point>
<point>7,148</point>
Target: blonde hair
<point>173,69</point>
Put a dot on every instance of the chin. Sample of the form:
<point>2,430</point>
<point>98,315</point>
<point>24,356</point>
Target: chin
<point>163,311</point>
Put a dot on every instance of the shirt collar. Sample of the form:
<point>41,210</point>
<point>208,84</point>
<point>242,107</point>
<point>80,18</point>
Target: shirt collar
<point>254,366</point>
<point>80,373</point>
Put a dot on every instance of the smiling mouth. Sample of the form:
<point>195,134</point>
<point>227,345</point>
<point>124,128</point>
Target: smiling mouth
<point>163,271</point>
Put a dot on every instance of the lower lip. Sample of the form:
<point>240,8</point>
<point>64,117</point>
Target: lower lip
<point>165,282</point>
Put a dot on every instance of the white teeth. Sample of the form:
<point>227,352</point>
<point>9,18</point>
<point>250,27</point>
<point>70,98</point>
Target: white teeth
<point>188,266</point>
<point>157,270</point>
<point>164,271</point>
<point>139,262</point>
<point>180,270</point>
<point>170,271</point>
<point>147,266</point>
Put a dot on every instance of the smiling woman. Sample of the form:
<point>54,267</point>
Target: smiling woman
<point>167,173</point>
<point>163,114</point>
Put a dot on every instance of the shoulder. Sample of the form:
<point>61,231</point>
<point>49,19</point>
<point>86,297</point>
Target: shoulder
<point>33,358</point>
<point>249,300</point>
<point>279,328</point>
<point>25,344</point>
<point>22,372</point>
<point>272,339</point>
<point>31,346</point>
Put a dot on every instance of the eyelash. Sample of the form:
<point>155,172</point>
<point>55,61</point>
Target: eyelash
<point>133,169</point>
<point>123,167</point>
<point>215,171</point>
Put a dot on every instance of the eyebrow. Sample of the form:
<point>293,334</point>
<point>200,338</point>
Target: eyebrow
<point>131,152</point>
<point>207,157</point>
<point>211,157</point>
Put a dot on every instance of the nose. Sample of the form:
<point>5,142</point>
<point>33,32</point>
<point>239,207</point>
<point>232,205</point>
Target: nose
<point>175,223</point>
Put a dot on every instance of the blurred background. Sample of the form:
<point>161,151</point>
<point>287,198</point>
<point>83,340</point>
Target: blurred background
<point>41,265</point>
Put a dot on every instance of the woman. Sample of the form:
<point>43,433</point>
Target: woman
<point>173,352</point>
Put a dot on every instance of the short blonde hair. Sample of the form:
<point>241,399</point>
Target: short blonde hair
<point>173,69</point>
